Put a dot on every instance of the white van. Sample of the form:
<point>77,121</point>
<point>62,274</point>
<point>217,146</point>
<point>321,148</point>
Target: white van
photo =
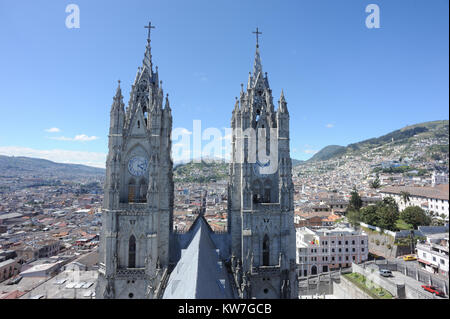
<point>385,273</point>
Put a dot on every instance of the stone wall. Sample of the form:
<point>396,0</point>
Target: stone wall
<point>386,247</point>
<point>345,289</point>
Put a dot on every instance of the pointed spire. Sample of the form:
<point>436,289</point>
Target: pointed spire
<point>257,66</point>
<point>118,91</point>
<point>282,104</point>
<point>236,105</point>
<point>147,62</point>
<point>148,53</point>
<point>118,98</point>
<point>117,113</point>
<point>167,106</point>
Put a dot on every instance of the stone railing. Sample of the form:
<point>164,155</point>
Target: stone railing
<point>133,206</point>
<point>135,272</point>
<point>265,270</point>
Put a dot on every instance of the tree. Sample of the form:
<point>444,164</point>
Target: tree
<point>375,184</point>
<point>355,201</point>
<point>369,215</point>
<point>405,197</point>
<point>415,216</point>
<point>387,213</point>
<point>353,217</point>
<point>389,201</point>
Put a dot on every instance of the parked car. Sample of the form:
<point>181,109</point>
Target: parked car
<point>385,273</point>
<point>434,290</point>
<point>409,257</point>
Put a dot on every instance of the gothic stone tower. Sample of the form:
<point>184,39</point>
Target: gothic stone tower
<point>260,206</point>
<point>138,196</point>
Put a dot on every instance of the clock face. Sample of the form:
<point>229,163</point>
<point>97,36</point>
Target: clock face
<point>137,165</point>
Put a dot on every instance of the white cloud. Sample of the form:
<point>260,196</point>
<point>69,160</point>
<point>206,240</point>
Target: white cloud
<point>77,138</point>
<point>310,151</point>
<point>59,156</point>
<point>329,125</point>
<point>53,130</point>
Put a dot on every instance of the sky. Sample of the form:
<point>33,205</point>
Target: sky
<point>343,82</point>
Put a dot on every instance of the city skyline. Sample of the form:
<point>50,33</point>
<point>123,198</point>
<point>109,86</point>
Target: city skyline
<point>388,77</point>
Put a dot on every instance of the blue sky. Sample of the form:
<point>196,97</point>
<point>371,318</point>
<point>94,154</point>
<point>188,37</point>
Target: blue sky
<point>343,82</point>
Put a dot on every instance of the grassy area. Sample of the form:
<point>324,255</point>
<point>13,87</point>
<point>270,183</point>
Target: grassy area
<point>374,232</point>
<point>368,286</point>
<point>401,225</point>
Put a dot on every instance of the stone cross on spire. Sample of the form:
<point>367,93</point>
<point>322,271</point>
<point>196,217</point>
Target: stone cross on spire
<point>148,55</point>
<point>257,36</point>
<point>149,27</point>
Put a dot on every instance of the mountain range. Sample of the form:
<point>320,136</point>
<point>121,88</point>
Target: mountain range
<point>12,166</point>
<point>434,129</point>
<point>19,165</point>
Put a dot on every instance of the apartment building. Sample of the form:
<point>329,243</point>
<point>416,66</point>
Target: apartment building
<point>324,249</point>
<point>432,254</point>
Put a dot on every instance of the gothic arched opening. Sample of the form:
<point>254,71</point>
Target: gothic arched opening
<point>257,192</point>
<point>131,190</point>
<point>132,252</point>
<point>266,251</point>
<point>143,187</point>
<point>267,191</point>
<point>313,270</point>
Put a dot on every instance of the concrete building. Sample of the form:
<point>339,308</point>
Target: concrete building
<point>42,249</point>
<point>322,249</point>
<point>8,268</point>
<point>432,254</point>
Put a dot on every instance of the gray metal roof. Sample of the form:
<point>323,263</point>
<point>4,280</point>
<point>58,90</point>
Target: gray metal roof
<point>200,273</point>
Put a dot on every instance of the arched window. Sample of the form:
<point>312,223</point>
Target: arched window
<point>256,192</point>
<point>131,191</point>
<point>132,252</point>
<point>266,251</point>
<point>267,191</point>
<point>143,187</point>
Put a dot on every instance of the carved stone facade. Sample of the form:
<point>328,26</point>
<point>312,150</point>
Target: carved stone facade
<point>134,256</point>
<point>260,205</point>
<point>138,191</point>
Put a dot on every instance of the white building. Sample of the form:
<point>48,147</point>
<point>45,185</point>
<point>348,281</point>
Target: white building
<point>439,178</point>
<point>322,250</point>
<point>431,199</point>
<point>433,253</point>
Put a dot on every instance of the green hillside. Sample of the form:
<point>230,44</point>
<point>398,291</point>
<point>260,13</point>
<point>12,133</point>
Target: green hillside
<point>407,136</point>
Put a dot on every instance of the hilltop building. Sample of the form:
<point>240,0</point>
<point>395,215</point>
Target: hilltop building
<point>431,199</point>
